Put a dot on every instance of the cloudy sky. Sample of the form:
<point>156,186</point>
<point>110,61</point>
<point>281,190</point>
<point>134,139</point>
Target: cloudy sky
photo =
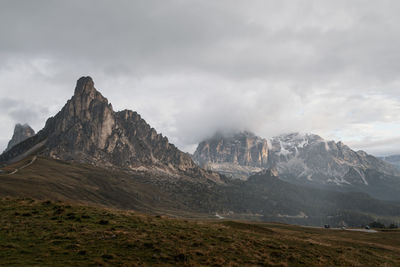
<point>192,67</point>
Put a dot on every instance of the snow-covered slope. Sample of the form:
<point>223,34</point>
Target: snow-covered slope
<point>310,158</point>
<point>305,159</point>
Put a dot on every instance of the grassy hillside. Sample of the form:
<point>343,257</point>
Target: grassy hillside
<point>37,233</point>
<point>261,198</point>
<point>82,183</point>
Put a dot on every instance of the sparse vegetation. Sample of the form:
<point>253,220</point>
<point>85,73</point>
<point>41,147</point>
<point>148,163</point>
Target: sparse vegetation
<point>380,225</point>
<point>56,233</point>
<point>86,184</point>
<point>377,225</point>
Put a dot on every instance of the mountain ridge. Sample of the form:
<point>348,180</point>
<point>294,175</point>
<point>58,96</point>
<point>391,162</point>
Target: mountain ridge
<point>87,129</point>
<point>89,153</point>
<point>305,159</point>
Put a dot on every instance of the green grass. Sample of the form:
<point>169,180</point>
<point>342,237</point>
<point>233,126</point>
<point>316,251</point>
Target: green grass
<point>45,233</point>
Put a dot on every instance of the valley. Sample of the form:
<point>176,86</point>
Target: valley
<point>107,189</point>
<point>199,133</point>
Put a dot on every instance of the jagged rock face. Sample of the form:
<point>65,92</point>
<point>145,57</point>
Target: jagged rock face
<point>297,157</point>
<point>239,155</point>
<point>21,133</point>
<point>309,157</point>
<point>88,130</point>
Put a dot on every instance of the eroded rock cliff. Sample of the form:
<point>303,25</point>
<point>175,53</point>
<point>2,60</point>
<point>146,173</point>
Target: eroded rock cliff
<point>238,155</point>
<point>21,133</point>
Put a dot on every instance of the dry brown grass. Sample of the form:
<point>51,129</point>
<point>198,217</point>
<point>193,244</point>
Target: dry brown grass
<point>53,233</point>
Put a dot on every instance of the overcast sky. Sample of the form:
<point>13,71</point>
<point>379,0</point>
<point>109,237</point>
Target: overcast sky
<point>191,67</point>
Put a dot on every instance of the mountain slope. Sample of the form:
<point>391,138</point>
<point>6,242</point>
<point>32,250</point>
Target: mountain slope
<point>308,159</point>
<point>21,133</point>
<point>82,183</point>
<point>263,197</point>
<point>304,159</point>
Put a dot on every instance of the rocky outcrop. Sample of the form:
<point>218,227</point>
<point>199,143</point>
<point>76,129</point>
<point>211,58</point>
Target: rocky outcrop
<point>238,156</point>
<point>21,133</point>
<point>88,130</point>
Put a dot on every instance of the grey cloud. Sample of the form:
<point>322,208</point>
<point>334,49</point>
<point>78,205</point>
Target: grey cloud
<point>320,40</point>
<point>382,147</point>
<point>193,67</point>
<point>22,112</point>
<point>3,144</point>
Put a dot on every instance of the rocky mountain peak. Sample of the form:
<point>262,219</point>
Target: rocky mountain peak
<point>86,102</point>
<point>85,85</point>
<point>21,133</point>
<point>312,159</point>
<point>238,155</point>
<point>243,148</point>
<point>88,130</point>
<point>300,157</point>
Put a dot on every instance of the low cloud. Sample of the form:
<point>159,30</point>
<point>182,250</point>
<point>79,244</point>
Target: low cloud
<point>14,111</point>
<point>194,67</point>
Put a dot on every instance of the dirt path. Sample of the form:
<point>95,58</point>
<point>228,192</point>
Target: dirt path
<point>363,230</point>
<point>345,229</point>
<point>23,167</point>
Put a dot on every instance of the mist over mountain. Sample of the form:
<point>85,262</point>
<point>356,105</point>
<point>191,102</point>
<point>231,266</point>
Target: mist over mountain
<point>198,67</point>
<point>393,159</point>
<point>305,159</point>
<point>200,133</point>
<point>21,133</point>
<point>88,153</point>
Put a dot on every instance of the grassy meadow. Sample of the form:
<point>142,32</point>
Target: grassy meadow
<point>46,233</point>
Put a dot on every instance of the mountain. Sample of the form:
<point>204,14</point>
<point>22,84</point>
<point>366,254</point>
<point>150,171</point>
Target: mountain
<point>393,159</point>
<point>88,130</point>
<point>21,133</point>
<point>309,159</point>
<point>88,153</point>
<point>238,156</point>
<point>305,159</point>
<point>262,197</point>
